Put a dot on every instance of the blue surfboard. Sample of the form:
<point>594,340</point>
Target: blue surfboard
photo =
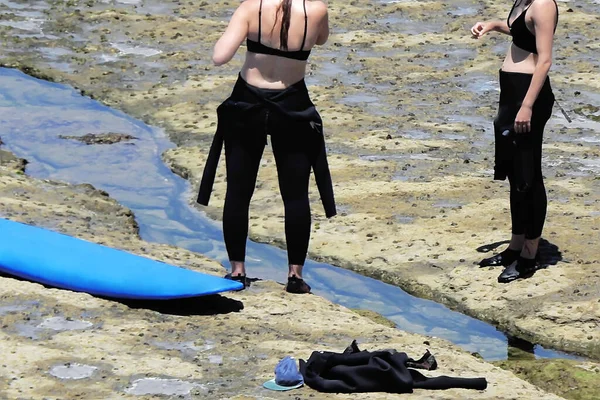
<point>66,262</point>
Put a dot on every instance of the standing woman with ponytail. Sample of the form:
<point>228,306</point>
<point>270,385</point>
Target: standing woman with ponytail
<point>270,98</point>
<point>526,102</point>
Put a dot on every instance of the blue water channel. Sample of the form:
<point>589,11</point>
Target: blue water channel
<point>34,113</point>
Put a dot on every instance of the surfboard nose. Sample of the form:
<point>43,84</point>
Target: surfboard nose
<point>66,262</point>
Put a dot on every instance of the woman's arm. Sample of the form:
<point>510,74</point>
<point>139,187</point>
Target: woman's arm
<point>234,35</point>
<point>324,26</point>
<point>481,28</point>
<point>544,19</point>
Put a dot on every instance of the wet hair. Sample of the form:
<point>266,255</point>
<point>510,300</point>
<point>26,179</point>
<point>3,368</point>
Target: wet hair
<point>524,2</point>
<point>286,8</point>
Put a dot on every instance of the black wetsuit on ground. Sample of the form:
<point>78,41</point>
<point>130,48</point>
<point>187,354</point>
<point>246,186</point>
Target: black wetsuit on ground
<point>355,371</point>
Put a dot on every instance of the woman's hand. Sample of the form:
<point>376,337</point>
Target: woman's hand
<point>481,28</point>
<point>523,120</point>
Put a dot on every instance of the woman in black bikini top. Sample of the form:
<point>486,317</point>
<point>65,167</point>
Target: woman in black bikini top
<point>522,36</point>
<point>526,102</point>
<point>270,98</point>
<point>259,48</point>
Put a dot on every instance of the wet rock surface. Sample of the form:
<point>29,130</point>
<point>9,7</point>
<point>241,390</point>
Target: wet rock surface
<point>8,160</point>
<point>60,343</point>
<point>100,138</point>
<point>407,99</point>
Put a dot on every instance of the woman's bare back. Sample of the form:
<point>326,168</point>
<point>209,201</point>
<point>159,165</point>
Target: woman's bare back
<point>269,71</point>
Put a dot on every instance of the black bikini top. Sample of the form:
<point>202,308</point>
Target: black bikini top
<point>522,36</point>
<point>258,47</point>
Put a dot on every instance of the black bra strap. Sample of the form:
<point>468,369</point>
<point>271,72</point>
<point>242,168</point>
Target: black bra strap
<point>259,20</point>
<point>507,18</point>
<point>556,22</point>
<point>305,26</point>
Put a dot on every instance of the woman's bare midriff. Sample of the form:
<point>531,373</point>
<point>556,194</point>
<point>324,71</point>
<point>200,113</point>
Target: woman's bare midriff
<point>272,72</point>
<point>519,60</point>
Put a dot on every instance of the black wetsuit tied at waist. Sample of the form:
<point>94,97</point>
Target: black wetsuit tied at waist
<point>520,152</point>
<point>287,112</point>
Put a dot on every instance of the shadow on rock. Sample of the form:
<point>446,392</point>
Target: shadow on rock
<point>492,246</point>
<point>550,254</point>
<point>201,305</point>
<point>520,349</point>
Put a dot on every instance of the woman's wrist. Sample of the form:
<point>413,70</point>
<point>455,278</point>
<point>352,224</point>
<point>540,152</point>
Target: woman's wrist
<point>495,25</point>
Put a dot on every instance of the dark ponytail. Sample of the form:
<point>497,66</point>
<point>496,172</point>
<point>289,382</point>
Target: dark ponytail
<point>286,7</point>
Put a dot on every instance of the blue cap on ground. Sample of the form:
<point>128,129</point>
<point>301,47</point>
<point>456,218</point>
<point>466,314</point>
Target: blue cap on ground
<point>287,376</point>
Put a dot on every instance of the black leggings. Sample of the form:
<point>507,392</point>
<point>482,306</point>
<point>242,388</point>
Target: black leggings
<point>289,118</point>
<point>519,155</point>
<point>243,155</point>
<point>528,209</point>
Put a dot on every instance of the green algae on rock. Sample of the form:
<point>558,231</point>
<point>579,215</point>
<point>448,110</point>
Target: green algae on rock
<point>575,380</point>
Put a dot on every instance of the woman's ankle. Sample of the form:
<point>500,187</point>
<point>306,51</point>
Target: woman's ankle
<point>238,268</point>
<point>530,248</point>
<point>516,242</point>
<point>295,270</point>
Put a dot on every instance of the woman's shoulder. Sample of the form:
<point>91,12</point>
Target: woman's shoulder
<point>544,7</point>
<point>316,7</point>
<point>247,6</point>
